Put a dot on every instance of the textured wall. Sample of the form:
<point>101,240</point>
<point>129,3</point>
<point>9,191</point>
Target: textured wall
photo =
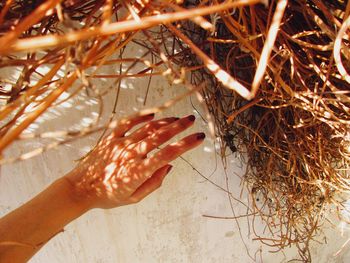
<point>169,225</point>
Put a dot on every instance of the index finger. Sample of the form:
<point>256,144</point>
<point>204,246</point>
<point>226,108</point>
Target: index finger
<point>173,151</point>
<point>126,124</point>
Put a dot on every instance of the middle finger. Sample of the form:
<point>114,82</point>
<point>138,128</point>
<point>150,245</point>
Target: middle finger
<point>163,135</point>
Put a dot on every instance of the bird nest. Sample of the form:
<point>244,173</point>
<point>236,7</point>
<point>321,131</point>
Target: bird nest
<point>274,77</point>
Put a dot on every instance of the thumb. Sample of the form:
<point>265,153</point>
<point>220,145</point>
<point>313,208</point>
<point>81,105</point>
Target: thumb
<point>151,184</point>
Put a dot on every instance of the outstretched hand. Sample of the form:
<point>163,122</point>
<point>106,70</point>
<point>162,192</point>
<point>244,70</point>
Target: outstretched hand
<point>120,171</point>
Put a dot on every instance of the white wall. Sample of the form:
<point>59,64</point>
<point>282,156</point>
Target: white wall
<point>169,225</point>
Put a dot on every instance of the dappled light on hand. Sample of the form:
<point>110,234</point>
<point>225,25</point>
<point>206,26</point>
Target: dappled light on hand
<point>120,170</point>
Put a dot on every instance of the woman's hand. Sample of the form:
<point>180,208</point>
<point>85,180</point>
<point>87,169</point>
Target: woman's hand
<point>120,170</point>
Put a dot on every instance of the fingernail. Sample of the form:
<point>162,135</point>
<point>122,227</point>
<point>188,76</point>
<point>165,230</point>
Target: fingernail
<point>169,169</point>
<point>191,117</point>
<point>200,136</point>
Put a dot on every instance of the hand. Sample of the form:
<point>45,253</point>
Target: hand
<point>120,172</point>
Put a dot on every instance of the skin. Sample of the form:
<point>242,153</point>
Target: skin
<point>119,171</point>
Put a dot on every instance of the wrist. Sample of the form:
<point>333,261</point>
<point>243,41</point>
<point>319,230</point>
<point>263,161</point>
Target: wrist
<point>78,198</point>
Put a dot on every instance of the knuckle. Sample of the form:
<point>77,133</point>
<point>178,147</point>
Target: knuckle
<point>167,133</point>
<point>151,125</point>
<point>126,122</point>
<point>171,153</point>
<point>182,124</point>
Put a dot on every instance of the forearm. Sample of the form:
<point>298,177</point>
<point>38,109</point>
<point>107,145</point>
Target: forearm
<point>25,230</point>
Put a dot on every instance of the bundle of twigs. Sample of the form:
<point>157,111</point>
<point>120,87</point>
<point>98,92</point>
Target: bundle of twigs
<point>294,132</point>
<point>56,45</point>
<point>275,80</point>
